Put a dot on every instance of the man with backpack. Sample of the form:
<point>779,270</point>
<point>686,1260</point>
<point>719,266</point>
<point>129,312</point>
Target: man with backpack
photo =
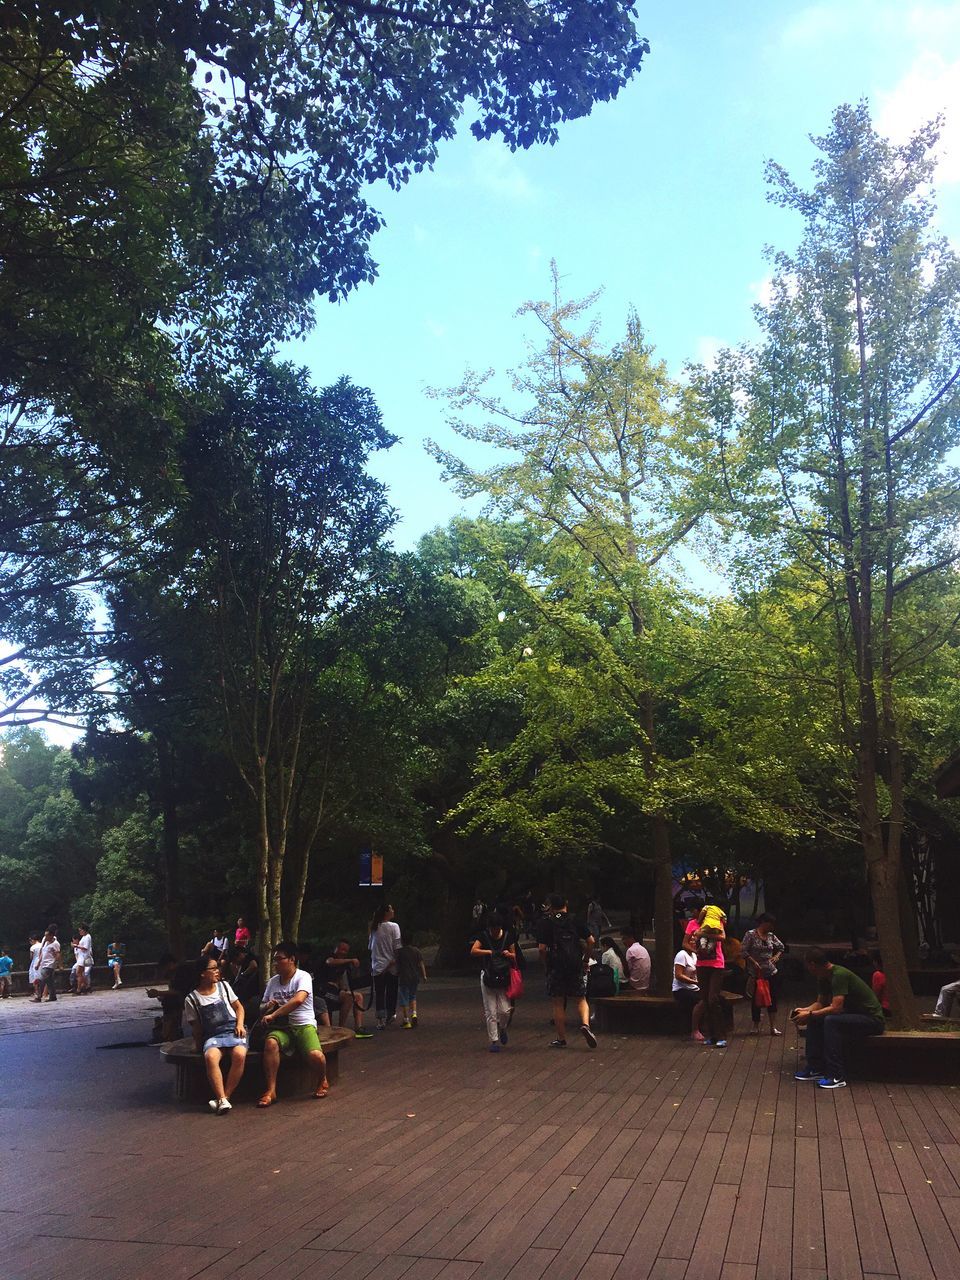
<point>565,949</point>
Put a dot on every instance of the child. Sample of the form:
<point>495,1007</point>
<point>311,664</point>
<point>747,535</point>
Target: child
<point>712,922</point>
<point>878,981</point>
<point>6,967</point>
<point>410,969</point>
<point>710,930</point>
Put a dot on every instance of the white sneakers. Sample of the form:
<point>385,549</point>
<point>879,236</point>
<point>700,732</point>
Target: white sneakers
<point>220,1105</point>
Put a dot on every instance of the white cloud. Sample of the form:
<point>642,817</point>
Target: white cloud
<point>930,86</point>
<point>498,171</point>
<point>814,26</point>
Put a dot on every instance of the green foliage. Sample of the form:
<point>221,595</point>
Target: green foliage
<point>123,904</point>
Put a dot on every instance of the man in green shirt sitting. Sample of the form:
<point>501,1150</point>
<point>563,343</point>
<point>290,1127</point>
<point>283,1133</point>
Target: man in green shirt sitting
<point>845,1005</point>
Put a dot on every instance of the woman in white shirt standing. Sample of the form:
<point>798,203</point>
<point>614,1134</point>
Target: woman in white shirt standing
<point>686,988</point>
<point>384,945</point>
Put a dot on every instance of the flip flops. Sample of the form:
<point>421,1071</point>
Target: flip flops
<point>267,1100</point>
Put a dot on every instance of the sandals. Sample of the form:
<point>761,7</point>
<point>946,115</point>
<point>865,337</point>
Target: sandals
<point>323,1090</point>
<point>267,1100</point>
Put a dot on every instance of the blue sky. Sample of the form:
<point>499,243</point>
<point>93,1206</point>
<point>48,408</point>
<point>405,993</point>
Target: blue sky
<point>658,198</point>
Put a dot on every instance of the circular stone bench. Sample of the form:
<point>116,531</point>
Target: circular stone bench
<point>295,1076</point>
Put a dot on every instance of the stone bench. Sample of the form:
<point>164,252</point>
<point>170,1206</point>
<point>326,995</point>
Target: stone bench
<point>631,1012</point>
<point>295,1076</point>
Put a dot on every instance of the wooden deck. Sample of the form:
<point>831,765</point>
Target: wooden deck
<point>649,1159</point>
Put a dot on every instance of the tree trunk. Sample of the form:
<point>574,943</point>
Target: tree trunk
<point>884,876</point>
<point>456,925</point>
<point>662,908</point>
<point>172,901</point>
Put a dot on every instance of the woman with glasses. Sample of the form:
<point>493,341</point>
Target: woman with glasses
<point>216,1018</point>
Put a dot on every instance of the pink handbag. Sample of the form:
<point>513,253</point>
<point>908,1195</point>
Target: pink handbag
<point>515,985</point>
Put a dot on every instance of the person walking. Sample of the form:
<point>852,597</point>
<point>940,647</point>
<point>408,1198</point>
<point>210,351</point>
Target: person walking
<point>47,963</point>
<point>33,973</point>
<point>410,972</point>
<point>565,946</point>
<point>385,942</point>
<point>6,968</point>
<point>84,954</point>
<point>498,955</point>
<point>762,949</point>
<point>216,1019</point>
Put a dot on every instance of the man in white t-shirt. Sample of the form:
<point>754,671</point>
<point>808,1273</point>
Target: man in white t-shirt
<point>638,962</point>
<point>287,1013</point>
<point>47,962</point>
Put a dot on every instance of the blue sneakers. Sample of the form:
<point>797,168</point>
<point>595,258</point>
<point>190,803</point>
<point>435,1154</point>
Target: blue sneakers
<point>831,1082</point>
<point>806,1074</point>
<point>494,1047</point>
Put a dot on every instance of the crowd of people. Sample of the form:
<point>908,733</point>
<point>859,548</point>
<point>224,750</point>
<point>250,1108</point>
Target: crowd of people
<point>47,960</point>
<point>222,999</point>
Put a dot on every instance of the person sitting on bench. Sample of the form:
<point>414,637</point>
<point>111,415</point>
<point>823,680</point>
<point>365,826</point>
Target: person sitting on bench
<point>845,1005</point>
<point>290,1023</point>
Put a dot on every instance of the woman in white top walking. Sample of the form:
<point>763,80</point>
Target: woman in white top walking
<point>33,977</point>
<point>384,945</point>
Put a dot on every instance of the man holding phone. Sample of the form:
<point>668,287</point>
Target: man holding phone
<point>845,1006</point>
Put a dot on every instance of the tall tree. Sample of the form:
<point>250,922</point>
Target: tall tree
<point>287,525</point>
<point>601,447</point>
<point>839,427</point>
<point>180,181</point>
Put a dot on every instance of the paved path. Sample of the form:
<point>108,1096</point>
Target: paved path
<point>20,1014</point>
<point>650,1159</point>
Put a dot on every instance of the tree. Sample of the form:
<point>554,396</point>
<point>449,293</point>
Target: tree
<point>836,433</point>
<point>287,526</point>
<point>178,183</point>
<point>604,472</point>
<point>48,844</point>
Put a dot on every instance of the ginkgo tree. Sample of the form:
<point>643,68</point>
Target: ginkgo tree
<point>599,452</point>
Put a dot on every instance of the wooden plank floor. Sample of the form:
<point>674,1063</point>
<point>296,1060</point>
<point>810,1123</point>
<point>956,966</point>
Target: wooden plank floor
<point>649,1159</point>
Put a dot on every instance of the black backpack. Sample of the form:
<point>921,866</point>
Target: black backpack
<point>600,981</point>
<point>566,951</point>
<point>496,971</point>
